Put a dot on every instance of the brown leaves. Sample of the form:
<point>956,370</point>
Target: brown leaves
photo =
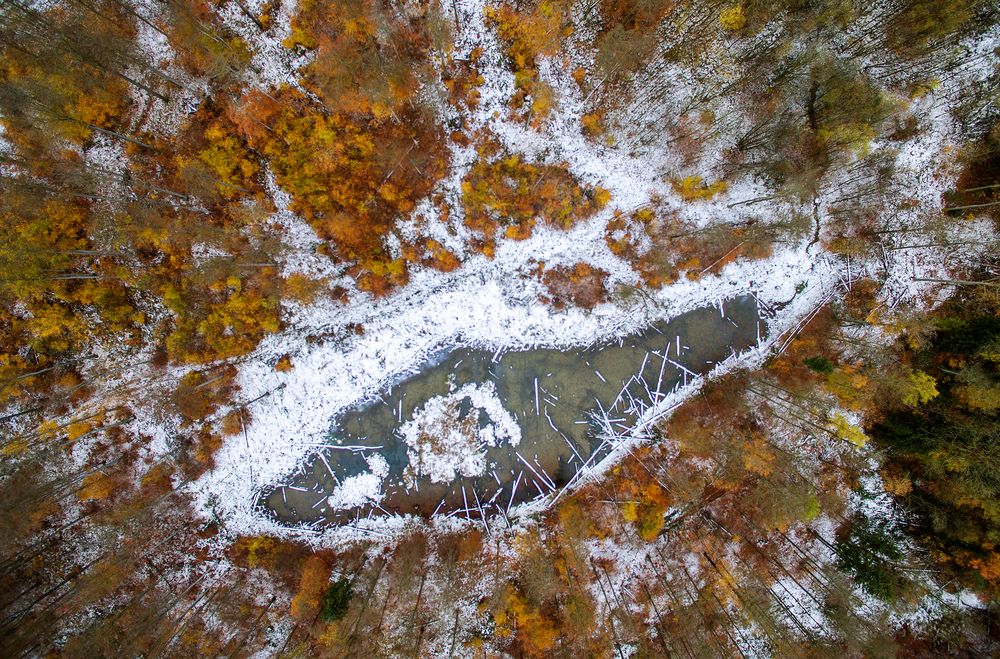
<point>198,394</point>
<point>253,114</point>
<point>581,285</point>
<point>368,61</point>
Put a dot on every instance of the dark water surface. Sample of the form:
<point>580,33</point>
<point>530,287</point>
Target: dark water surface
<point>555,396</point>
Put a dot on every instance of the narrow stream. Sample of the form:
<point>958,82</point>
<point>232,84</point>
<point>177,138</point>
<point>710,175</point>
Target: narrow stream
<point>474,433</point>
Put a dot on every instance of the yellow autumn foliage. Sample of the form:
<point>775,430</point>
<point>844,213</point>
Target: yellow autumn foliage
<point>732,18</point>
<point>847,431</point>
<point>693,188</point>
<point>919,389</point>
<point>536,632</point>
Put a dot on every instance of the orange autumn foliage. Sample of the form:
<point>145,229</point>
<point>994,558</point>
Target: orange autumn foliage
<point>661,247</point>
<point>536,633</point>
<point>513,194</point>
<point>96,487</point>
<point>462,79</point>
<point>352,177</point>
<point>367,60</point>
<point>526,36</point>
<point>313,581</point>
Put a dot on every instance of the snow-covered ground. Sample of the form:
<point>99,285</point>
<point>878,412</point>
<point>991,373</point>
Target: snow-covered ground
<point>493,303</point>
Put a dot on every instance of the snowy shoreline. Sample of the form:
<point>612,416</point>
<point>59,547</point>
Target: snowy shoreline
<point>294,416</point>
<point>494,304</point>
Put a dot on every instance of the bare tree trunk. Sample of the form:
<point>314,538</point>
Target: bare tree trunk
<point>255,629</point>
<point>416,610</point>
<point>611,617</point>
<point>658,625</point>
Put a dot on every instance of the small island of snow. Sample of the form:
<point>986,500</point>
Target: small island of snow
<point>448,437</point>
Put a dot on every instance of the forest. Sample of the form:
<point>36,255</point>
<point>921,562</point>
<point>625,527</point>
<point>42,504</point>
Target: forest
<point>227,225</point>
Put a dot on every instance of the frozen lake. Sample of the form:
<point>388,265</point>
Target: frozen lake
<point>474,433</point>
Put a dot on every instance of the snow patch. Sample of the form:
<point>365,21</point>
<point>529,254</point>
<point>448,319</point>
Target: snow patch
<point>359,490</point>
<point>447,438</point>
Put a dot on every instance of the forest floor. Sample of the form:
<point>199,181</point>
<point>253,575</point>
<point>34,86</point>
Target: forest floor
<point>493,303</point>
<point>279,255</point>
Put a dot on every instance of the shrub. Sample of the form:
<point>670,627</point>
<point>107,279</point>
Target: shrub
<point>819,364</point>
<point>336,600</point>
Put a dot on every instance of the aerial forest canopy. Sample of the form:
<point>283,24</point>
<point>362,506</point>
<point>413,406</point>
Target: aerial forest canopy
<point>488,328</point>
